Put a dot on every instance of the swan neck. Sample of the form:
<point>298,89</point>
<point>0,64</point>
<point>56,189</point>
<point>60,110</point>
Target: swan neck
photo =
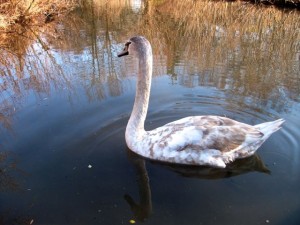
<point>135,126</point>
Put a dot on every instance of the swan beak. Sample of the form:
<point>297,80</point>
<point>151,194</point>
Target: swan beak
<point>125,52</point>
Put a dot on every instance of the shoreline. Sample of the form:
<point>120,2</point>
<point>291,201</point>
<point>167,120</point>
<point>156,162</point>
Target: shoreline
<point>280,4</point>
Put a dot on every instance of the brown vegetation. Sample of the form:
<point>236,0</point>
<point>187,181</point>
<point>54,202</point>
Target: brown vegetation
<point>34,11</point>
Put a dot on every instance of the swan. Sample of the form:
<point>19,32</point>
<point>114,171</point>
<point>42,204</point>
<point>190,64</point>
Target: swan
<point>196,140</point>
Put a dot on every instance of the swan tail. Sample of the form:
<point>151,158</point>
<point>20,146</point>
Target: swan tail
<point>254,140</point>
<point>269,128</point>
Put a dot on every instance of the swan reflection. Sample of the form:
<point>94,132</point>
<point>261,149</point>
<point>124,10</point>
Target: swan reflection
<point>142,210</point>
<point>238,167</point>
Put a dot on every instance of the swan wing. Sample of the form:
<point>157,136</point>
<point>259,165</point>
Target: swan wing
<point>204,139</point>
<point>205,132</point>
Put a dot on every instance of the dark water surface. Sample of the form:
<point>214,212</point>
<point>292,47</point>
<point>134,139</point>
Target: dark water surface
<point>63,115</point>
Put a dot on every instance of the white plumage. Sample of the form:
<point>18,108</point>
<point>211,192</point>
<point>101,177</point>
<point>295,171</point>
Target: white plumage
<point>197,140</point>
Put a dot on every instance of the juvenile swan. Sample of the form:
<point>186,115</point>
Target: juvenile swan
<point>196,140</point>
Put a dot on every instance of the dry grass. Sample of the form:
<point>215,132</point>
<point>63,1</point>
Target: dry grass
<point>22,12</point>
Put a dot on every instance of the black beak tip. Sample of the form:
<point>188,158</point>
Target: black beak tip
<point>123,54</point>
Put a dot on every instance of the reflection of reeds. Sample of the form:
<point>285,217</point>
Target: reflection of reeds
<point>98,42</point>
<point>26,65</point>
<point>243,49</point>
<point>247,50</point>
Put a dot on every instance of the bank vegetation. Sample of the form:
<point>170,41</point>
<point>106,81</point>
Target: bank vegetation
<point>36,12</point>
<point>17,15</point>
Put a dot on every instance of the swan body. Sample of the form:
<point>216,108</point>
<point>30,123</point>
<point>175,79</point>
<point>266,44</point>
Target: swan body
<point>197,140</point>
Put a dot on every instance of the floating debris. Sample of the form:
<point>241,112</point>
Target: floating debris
<point>132,221</point>
<point>89,166</point>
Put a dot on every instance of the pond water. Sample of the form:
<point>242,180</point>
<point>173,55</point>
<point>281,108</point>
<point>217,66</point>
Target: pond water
<point>66,98</point>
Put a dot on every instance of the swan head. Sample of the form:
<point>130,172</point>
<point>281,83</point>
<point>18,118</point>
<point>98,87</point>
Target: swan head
<point>136,46</point>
